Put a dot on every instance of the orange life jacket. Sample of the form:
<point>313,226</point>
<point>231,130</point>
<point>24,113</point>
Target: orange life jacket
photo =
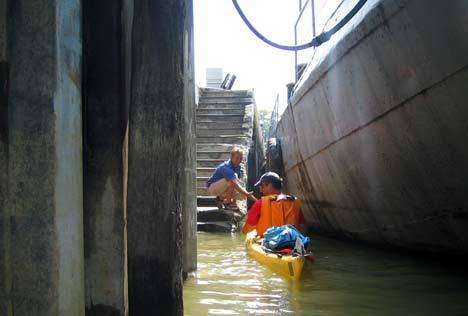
<point>278,210</point>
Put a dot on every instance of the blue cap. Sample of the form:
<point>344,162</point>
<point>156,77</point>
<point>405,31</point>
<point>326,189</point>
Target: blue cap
<point>269,177</point>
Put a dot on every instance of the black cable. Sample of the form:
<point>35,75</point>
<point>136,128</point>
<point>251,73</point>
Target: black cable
<point>315,42</point>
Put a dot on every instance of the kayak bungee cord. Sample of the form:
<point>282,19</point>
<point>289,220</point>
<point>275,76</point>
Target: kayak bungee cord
<point>315,42</point>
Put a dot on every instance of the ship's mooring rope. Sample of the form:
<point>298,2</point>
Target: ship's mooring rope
<point>315,42</point>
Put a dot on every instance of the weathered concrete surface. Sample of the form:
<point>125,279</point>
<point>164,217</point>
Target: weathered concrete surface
<point>45,158</point>
<point>127,27</point>
<point>374,142</point>
<point>42,257</point>
<point>5,266</point>
<point>156,158</point>
<point>274,158</point>
<point>256,157</point>
<point>189,206</point>
<point>104,127</point>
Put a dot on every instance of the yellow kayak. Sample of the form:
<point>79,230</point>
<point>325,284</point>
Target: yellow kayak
<point>285,265</point>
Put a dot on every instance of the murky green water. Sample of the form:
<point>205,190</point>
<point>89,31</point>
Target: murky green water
<point>345,280</point>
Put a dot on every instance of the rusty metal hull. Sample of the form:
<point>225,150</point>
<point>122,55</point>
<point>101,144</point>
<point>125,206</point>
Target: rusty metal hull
<point>375,139</point>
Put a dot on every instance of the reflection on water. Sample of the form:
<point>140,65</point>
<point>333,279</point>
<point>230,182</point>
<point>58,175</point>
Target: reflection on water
<point>345,280</point>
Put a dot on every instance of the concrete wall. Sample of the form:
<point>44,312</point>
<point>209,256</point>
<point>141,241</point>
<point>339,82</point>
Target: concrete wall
<point>5,273</point>
<point>104,127</point>
<point>45,158</point>
<point>156,158</point>
<point>189,209</point>
<point>256,158</point>
<point>274,159</point>
<point>109,68</point>
<point>138,95</point>
<point>127,27</point>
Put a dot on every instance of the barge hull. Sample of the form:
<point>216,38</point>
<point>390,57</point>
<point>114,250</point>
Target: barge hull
<point>375,138</point>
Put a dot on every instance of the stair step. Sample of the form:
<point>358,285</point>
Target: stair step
<point>221,125</point>
<point>214,214</point>
<point>202,180</point>
<point>224,93</point>
<point>209,132</point>
<point>205,163</point>
<point>207,106</point>
<point>224,139</point>
<point>201,183</point>
<point>206,200</point>
<point>201,191</point>
<point>200,118</point>
<point>220,146</point>
<point>222,112</point>
<point>207,209</point>
<point>224,108</point>
<point>225,100</point>
<point>205,171</point>
<point>221,101</point>
<point>223,128</point>
<point>220,116</point>
<point>228,120</point>
<point>213,155</point>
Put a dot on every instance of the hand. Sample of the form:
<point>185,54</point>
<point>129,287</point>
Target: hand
<point>250,195</point>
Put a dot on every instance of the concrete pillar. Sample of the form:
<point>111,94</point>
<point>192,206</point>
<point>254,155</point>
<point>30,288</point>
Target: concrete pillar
<point>45,158</point>
<point>104,126</point>
<point>156,158</point>
<point>5,272</point>
<point>127,27</point>
<point>189,215</point>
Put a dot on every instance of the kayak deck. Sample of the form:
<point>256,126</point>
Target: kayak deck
<point>285,265</point>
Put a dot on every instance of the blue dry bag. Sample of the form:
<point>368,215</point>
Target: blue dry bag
<point>279,237</point>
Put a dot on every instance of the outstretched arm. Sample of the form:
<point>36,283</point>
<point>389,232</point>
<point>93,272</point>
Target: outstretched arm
<point>242,191</point>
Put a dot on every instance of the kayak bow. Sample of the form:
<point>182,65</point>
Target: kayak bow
<point>286,265</point>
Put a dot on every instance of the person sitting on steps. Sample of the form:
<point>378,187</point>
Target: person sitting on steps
<point>274,208</point>
<point>224,182</point>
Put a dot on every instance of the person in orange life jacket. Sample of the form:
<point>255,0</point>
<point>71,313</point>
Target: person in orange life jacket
<point>224,182</point>
<point>274,208</point>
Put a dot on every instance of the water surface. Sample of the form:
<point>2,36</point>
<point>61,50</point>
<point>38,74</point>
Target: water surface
<point>346,279</point>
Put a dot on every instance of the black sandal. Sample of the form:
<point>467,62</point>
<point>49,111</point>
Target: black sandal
<point>219,202</point>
